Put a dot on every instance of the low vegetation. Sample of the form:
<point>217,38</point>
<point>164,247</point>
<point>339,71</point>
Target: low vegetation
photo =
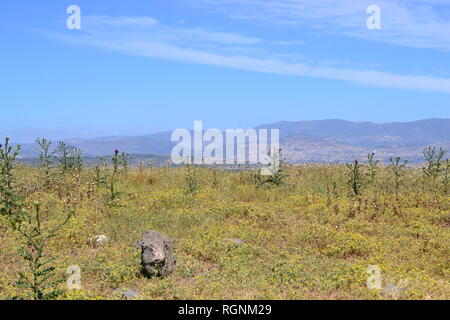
<point>312,233</point>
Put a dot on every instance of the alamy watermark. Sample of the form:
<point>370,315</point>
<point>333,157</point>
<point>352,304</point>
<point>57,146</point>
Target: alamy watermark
<point>374,20</point>
<point>374,281</point>
<point>229,147</point>
<point>74,280</point>
<point>74,20</point>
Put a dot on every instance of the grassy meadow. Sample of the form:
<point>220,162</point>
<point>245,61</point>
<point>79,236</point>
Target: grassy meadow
<point>311,236</point>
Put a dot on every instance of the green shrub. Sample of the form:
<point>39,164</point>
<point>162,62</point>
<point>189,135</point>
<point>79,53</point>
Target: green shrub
<point>11,202</point>
<point>33,252</point>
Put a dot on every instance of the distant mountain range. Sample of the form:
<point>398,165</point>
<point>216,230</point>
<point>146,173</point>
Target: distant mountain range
<point>343,141</point>
<point>302,141</point>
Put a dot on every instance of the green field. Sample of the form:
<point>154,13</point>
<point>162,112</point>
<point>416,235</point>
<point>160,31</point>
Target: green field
<point>235,237</point>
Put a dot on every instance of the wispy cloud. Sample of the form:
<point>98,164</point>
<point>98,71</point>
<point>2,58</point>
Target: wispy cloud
<point>413,23</point>
<point>135,22</point>
<point>151,29</point>
<point>287,43</point>
<point>144,36</point>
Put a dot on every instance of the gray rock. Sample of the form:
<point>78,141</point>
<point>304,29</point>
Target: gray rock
<point>236,241</point>
<point>130,295</point>
<point>156,255</point>
<point>98,241</point>
<point>127,294</point>
<point>392,290</point>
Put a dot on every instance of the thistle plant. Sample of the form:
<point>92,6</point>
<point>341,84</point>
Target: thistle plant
<point>435,162</point>
<point>216,180</point>
<point>276,172</point>
<point>69,157</point>
<point>45,160</point>
<point>398,171</point>
<point>191,180</point>
<point>278,165</point>
<point>124,160</point>
<point>354,177</point>
<point>41,280</point>
<point>100,173</point>
<point>446,176</point>
<point>11,202</point>
<point>372,167</point>
<point>117,163</point>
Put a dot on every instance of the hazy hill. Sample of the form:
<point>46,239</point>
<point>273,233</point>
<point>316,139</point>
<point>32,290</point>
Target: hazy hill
<point>365,134</point>
<point>321,140</point>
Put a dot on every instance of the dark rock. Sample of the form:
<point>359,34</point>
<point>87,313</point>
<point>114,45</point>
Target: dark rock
<point>156,255</point>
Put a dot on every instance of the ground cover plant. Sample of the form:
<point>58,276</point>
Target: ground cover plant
<point>312,235</point>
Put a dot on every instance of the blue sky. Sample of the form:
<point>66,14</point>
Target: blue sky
<point>139,67</point>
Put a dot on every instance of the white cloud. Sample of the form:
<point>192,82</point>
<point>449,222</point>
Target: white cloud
<point>228,50</point>
<point>139,22</point>
<point>287,43</point>
<point>413,23</point>
<point>150,28</point>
